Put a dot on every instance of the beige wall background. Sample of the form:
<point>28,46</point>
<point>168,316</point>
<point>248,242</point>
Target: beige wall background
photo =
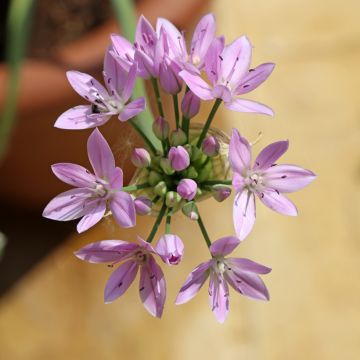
<point>57,312</point>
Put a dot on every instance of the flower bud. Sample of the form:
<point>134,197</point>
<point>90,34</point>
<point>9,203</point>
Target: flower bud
<point>178,137</point>
<point>221,192</point>
<point>161,128</point>
<point>169,77</point>
<point>187,189</point>
<point>188,148</point>
<point>205,172</point>
<point>190,105</point>
<point>190,210</point>
<point>191,173</point>
<point>166,166</point>
<point>154,178</point>
<point>179,158</point>
<point>195,153</point>
<point>210,146</point>
<point>170,248</point>
<point>140,158</point>
<point>160,188</point>
<point>142,205</point>
<point>172,199</point>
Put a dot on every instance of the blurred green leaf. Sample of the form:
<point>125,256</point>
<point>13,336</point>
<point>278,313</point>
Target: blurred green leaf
<point>126,17</point>
<point>17,31</point>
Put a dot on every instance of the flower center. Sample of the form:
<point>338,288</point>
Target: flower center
<point>254,181</point>
<point>140,257</point>
<point>100,190</point>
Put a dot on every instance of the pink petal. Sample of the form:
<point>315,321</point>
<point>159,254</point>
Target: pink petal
<point>128,85</point>
<point>247,283</point>
<point>288,178</point>
<point>86,86</point>
<point>78,118</point>
<point>236,60</point>
<point>132,109</point>
<point>238,182</point>
<point>123,50</point>
<point>254,78</point>
<point>146,66</point>
<point>193,283</point>
<point>239,153</point>
<point>224,246</point>
<point>145,35</point>
<point>197,85</point>
<point>115,75</point>
<point>203,37</point>
<point>219,297</point>
<point>116,181</point>
<point>248,265</point>
<point>212,60</point>
<point>170,248</point>
<point>100,155</point>
<point>244,213</point>
<point>268,156</point>
<point>243,105</point>
<point>277,202</point>
<point>68,205</point>
<point>120,280</point>
<point>152,287</point>
<point>222,92</point>
<point>93,216</point>
<point>123,209</point>
<point>74,174</point>
<point>106,251</point>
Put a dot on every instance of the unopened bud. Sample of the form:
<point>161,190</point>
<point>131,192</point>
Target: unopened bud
<point>190,210</point>
<point>196,153</point>
<point>191,173</point>
<point>178,137</point>
<point>190,105</point>
<point>160,188</point>
<point>187,189</point>
<point>169,77</point>
<point>172,199</point>
<point>140,158</point>
<point>161,128</point>
<point>205,172</point>
<point>210,146</point>
<point>154,178</point>
<point>179,158</point>
<point>166,166</point>
<point>142,205</point>
<point>221,192</point>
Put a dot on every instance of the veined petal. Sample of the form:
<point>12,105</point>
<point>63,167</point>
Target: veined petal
<point>244,213</point>
<point>120,280</point>
<point>193,283</point>
<point>74,174</point>
<point>197,85</point>
<point>254,78</point>
<point>129,83</point>
<point>115,75</point>
<point>68,205</point>
<point>239,153</point>
<point>86,86</point>
<point>219,297</point>
<point>132,109</point>
<point>122,48</point>
<point>106,251</point>
<point>100,155</point>
<point>116,181</point>
<point>247,283</point>
<point>236,60</point>
<point>247,265</point>
<point>145,35</point>
<point>212,59</point>
<point>244,105</point>
<point>203,37</point>
<point>152,287</point>
<point>277,202</point>
<point>79,118</point>
<point>94,214</point>
<point>287,178</point>
<point>123,209</point>
<point>146,66</point>
<point>268,156</point>
<point>224,246</point>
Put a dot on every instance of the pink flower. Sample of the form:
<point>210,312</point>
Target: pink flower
<point>241,274</point>
<point>187,189</point>
<point>265,179</point>
<point>179,158</point>
<point>92,193</point>
<point>228,70</point>
<point>114,100</point>
<point>170,248</point>
<point>190,105</point>
<point>152,286</point>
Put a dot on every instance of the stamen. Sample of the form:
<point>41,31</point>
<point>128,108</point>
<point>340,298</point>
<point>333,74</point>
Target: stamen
<point>256,141</point>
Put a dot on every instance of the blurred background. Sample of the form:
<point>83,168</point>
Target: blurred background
<point>51,304</point>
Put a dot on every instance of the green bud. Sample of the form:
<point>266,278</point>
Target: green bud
<point>205,172</point>
<point>196,153</point>
<point>166,166</point>
<point>190,210</point>
<point>221,192</point>
<point>172,199</point>
<point>191,173</point>
<point>154,178</point>
<point>178,137</point>
<point>188,148</point>
<point>160,188</point>
<point>161,128</point>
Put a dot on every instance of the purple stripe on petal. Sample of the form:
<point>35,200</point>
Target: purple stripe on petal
<point>244,213</point>
<point>270,154</point>
<point>74,175</point>
<point>120,280</point>
<point>277,202</point>
<point>224,246</point>
<point>123,209</point>
<point>93,216</point>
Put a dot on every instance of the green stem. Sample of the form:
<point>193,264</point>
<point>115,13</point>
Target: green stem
<point>157,96</point>
<point>168,221</point>
<point>204,232</point>
<point>135,187</point>
<point>156,224</point>
<point>186,126</point>
<point>215,182</point>
<point>208,122</point>
<point>176,110</point>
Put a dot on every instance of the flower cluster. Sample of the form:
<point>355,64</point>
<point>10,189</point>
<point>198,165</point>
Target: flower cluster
<point>186,163</point>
